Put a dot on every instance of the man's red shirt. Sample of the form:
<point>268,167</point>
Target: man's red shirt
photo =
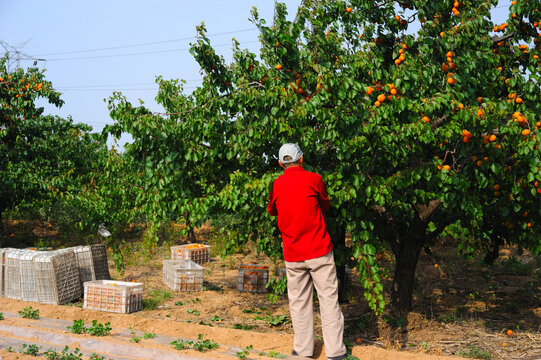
<point>298,197</point>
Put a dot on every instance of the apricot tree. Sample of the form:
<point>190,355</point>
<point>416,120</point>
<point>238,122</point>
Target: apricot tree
<point>43,156</point>
<point>419,115</point>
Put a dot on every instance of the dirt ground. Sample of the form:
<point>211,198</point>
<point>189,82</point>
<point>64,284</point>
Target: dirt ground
<point>461,307</point>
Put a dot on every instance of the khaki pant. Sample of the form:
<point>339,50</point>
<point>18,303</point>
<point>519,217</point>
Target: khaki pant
<point>302,276</point>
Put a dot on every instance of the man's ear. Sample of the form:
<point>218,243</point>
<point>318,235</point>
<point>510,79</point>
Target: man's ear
<point>279,162</point>
<point>301,159</point>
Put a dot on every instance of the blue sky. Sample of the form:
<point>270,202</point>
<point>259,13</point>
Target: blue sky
<point>132,42</point>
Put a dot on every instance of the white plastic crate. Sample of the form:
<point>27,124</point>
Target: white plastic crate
<point>56,277</point>
<point>182,275</point>
<point>19,277</point>
<point>3,252</point>
<point>253,278</point>
<point>92,262</point>
<point>198,253</point>
<point>113,296</point>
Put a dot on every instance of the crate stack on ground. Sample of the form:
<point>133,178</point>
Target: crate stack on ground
<point>56,277</point>
<point>198,253</point>
<point>183,275</point>
<point>92,263</point>
<point>2,270</point>
<point>253,278</point>
<point>184,272</point>
<point>50,277</point>
<point>113,296</point>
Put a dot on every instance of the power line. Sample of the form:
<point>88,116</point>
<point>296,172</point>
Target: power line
<point>110,85</point>
<point>138,53</point>
<point>145,44</point>
<point>113,89</point>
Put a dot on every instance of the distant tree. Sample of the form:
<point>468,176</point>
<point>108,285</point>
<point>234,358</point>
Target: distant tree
<point>43,156</point>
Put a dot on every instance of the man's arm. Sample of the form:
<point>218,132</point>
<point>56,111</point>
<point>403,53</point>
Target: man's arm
<point>271,208</point>
<point>323,197</point>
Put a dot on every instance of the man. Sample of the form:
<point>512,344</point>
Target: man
<point>298,197</point>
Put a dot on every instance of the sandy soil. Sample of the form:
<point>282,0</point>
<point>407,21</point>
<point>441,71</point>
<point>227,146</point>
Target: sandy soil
<point>460,307</point>
<point>278,342</point>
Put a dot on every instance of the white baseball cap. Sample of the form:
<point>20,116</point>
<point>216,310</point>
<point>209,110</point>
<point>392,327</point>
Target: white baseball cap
<point>292,150</point>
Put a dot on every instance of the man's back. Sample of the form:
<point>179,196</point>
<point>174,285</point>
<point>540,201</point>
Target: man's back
<point>298,198</point>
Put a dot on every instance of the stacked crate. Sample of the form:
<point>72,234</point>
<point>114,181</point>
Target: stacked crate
<point>113,296</point>
<point>198,253</point>
<point>253,278</point>
<point>92,262</point>
<point>182,275</point>
<point>3,270</point>
<point>56,277</point>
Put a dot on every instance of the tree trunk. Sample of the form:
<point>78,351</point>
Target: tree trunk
<point>406,249</point>
<point>191,234</point>
<point>191,231</point>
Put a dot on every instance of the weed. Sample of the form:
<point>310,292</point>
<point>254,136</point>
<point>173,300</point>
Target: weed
<point>29,313</point>
<point>251,311</point>
<point>99,329</point>
<point>244,353</point>
<point>513,266</point>
<point>398,322</point>
<point>276,320</point>
<point>51,354</point>
<point>149,336</point>
<point>150,304</point>
<point>276,287</point>
<point>216,318</point>
<point>204,345</point>
<point>179,303</point>
<point>1,316</point>
<point>425,345</point>
<point>181,344</point>
<point>474,352</point>
<point>275,354</point>
<point>204,323</point>
<point>157,296</point>
<point>135,339</point>
<point>161,295</point>
<point>31,349</point>
<point>78,327</point>
<point>450,317</point>
<point>213,287</point>
<point>193,312</point>
<point>243,326</point>
<point>95,356</point>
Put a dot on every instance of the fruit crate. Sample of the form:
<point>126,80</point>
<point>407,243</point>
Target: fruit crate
<point>253,278</point>
<point>92,262</point>
<point>20,279</point>
<point>198,253</point>
<point>56,277</point>
<point>3,252</point>
<point>183,275</point>
<point>113,296</point>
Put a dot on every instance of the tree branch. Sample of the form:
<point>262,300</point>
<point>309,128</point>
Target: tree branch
<point>496,39</point>
<point>426,210</point>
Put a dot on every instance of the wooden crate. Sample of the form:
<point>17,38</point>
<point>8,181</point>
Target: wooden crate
<point>198,253</point>
<point>113,296</point>
<point>182,275</point>
<point>253,278</point>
